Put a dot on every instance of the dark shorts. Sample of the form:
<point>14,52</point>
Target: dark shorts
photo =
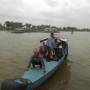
<point>36,63</point>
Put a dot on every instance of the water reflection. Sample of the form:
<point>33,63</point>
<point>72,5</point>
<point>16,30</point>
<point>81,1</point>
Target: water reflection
<point>60,80</point>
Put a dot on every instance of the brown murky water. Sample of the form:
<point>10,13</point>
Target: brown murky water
<point>74,74</point>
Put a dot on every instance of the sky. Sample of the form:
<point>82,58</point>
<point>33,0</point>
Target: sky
<point>75,13</point>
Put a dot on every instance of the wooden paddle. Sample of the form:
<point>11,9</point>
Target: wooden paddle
<point>43,40</point>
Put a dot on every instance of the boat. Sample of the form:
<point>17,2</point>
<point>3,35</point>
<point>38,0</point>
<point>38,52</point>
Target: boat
<point>16,31</point>
<point>34,77</point>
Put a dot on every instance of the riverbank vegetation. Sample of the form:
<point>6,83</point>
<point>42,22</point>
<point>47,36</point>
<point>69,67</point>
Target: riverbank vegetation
<point>20,27</point>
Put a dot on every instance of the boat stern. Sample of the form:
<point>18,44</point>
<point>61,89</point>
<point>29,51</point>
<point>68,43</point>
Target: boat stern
<point>19,84</point>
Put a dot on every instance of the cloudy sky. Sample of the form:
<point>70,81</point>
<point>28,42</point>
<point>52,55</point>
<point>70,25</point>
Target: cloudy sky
<point>54,12</point>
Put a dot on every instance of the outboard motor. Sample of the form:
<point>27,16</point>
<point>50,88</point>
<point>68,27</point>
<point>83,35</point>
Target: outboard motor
<point>19,84</point>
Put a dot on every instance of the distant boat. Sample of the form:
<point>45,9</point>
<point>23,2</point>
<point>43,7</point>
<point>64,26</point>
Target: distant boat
<point>54,29</point>
<point>18,30</point>
<point>34,77</point>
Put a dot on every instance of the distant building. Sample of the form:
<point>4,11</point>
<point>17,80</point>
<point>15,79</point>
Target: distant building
<point>20,29</point>
<point>51,29</point>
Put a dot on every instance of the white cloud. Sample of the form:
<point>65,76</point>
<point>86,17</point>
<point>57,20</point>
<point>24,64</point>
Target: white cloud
<point>56,12</point>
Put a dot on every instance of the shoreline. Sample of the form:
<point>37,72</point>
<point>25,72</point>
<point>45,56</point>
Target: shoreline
<point>23,31</point>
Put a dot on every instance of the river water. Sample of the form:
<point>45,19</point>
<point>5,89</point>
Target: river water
<point>74,74</point>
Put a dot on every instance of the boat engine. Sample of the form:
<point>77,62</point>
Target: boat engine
<point>19,84</point>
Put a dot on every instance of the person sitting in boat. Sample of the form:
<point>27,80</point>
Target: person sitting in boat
<point>43,50</point>
<point>37,59</point>
<point>58,52</point>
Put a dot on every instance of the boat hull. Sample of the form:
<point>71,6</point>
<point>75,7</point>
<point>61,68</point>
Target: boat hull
<point>52,69</point>
<point>44,78</point>
<point>35,75</point>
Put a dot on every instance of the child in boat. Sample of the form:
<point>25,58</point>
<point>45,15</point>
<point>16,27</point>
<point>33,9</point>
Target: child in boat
<point>37,59</point>
<point>43,50</point>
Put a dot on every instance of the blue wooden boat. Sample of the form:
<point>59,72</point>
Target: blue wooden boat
<point>34,77</point>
